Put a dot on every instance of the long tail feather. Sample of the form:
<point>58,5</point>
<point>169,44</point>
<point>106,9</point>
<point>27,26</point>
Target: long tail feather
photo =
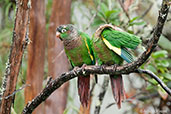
<point>117,89</point>
<point>84,90</point>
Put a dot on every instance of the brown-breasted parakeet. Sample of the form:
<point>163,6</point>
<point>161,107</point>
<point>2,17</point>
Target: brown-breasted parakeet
<point>78,50</point>
<point>110,45</point>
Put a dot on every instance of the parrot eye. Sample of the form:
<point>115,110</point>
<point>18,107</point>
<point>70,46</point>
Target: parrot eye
<point>63,30</point>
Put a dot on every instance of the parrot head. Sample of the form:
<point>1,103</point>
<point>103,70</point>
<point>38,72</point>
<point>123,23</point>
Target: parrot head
<point>66,32</point>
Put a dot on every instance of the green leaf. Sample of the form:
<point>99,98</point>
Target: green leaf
<point>103,7</point>
<point>149,87</point>
<point>130,31</point>
<point>101,15</point>
<point>109,13</point>
<point>137,23</point>
<point>153,81</point>
<point>162,69</point>
<point>97,22</point>
<point>135,18</point>
<point>163,63</point>
<point>169,60</point>
<point>151,68</point>
<point>160,54</point>
<point>167,76</point>
<point>162,92</point>
<point>164,43</point>
<point>132,21</point>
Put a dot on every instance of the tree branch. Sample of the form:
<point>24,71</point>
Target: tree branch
<point>122,6</point>
<point>18,90</point>
<point>125,69</point>
<point>152,75</point>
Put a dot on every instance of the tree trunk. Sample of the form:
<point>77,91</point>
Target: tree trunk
<point>36,52</point>
<point>15,58</point>
<point>57,59</point>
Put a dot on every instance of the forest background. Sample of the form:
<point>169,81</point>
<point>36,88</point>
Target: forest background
<point>43,58</point>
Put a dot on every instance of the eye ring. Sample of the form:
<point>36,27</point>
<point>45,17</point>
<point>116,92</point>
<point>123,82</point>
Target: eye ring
<point>63,30</point>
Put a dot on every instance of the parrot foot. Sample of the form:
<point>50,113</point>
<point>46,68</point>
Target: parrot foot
<point>75,70</point>
<point>103,67</point>
<point>83,66</point>
<point>114,66</point>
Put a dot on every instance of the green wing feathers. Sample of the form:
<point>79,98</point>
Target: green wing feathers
<point>121,39</point>
<point>87,41</point>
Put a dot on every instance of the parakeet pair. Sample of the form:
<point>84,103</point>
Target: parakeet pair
<point>108,47</point>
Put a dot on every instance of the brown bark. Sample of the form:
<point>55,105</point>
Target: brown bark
<point>57,61</point>
<point>36,52</point>
<point>16,53</point>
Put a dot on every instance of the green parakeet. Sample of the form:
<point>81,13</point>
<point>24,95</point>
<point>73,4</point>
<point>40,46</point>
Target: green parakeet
<point>78,50</point>
<point>109,47</point>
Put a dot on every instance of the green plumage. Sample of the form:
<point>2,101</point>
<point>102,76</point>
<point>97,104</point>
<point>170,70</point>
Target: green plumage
<point>121,39</point>
<point>103,54</point>
<point>117,39</point>
<point>79,55</point>
<point>109,47</point>
<point>78,50</point>
<point>77,45</point>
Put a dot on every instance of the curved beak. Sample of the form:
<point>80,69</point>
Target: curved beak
<point>58,34</point>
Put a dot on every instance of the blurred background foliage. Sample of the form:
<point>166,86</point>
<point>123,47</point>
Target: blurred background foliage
<point>146,93</point>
